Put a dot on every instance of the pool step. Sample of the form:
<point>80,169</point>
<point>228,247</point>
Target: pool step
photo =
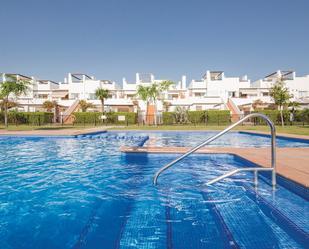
<point>197,226</point>
<point>244,215</point>
<point>145,226</point>
<point>282,219</point>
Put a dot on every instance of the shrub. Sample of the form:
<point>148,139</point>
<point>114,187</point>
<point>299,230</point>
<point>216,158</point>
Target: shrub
<point>168,118</point>
<point>274,115</point>
<point>112,117</point>
<point>32,118</point>
<point>196,117</point>
<point>200,117</point>
<point>218,117</point>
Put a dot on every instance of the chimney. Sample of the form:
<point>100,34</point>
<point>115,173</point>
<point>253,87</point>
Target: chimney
<point>137,79</point>
<point>69,78</point>
<point>183,82</point>
<point>124,81</point>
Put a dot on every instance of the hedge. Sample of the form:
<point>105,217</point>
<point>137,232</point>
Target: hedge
<point>168,118</point>
<point>111,118</point>
<point>32,118</point>
<point>274,115</point>
<point>218,117</point>
<point>200,117</point>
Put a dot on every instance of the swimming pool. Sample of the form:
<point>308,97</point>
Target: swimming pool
<point>84,193</point>
<point>193,138</point>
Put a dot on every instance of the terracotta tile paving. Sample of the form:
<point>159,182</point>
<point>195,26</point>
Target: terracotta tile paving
<point>292,163</point>
<point>55,132</point>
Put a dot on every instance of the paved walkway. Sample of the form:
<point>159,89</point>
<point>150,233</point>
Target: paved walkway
<point>278,134</point>
<point>54,132</point>
<point>292,163</point>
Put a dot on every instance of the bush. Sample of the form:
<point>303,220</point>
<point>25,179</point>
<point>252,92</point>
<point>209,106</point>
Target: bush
<point>200,117</point>
<point>196,117</point>
<point>218,117</point>
<point>32,118</point>
<point>168,118</point>
<point>112,117</point>
<point>274,115</point>
<point>87,117</point>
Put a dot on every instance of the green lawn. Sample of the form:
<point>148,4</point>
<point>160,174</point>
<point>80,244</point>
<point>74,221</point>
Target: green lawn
<point>300,130</point>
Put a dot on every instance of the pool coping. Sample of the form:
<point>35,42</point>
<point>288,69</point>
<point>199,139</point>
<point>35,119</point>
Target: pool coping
<point>278,134</point>
<point>292,163</point>
<point>54,133</point>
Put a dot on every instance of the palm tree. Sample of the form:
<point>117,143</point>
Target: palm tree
<point>281,96</point>
<point>156,92</point>
<point>48,105</point>
<point>152,93</point>
<point>144,93</point>
<point>12,86</point>
<point>257,104</point>
<point>84,105</point>
<point>102,94</point>
<point>10,104</point>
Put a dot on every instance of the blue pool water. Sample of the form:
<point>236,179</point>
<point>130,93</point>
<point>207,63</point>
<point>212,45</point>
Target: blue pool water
<point>231,139</point>
<point>83,193</point>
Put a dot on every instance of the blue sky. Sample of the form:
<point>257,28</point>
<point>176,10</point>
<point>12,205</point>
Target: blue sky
<point>117,38</point>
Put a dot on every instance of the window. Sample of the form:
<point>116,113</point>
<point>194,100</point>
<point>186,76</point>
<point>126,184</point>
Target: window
<point>92,96</point>
<point>74,95</point>
<point>231,94</point>
<point>303,94</point>
<point>42,96</point>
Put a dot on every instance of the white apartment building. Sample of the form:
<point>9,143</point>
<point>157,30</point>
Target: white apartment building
<point>213,91</point>
<point>260,90</point>
<point>297,85</point>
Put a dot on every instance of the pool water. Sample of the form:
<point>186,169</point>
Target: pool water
<point>83,193</point>
<point>231,139</point>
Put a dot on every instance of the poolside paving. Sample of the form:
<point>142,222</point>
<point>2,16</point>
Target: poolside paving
<point>55,132</point>
<point>292,163</point>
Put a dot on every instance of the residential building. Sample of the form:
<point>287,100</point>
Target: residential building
<point>214,90</point>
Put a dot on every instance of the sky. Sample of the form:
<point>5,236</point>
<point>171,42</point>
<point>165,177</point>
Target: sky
<point>169,38</point>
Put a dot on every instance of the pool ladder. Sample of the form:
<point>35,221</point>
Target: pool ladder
<point>255,170</point>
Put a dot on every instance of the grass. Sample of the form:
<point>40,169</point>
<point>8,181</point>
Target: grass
<point>297,129</point>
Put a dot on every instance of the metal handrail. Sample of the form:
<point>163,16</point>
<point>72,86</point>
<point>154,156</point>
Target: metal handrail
<point>209,140</point>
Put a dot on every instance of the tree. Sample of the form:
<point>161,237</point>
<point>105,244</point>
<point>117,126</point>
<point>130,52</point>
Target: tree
<point>156,92</point>
<point>166,105</point>
<point>257,104</point>
<point>102,94</point>
<point>152,93</point>
<point>48,105</point>
<point>51,106</point>
<point>144,93</point>
<point>12,86</point>
<point>84,105</point>
<point>281,96</point>
<point>10,104</point>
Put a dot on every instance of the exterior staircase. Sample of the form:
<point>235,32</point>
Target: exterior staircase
<point>150,115</point>
<point>236,114</point>
<point>67,117</point>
